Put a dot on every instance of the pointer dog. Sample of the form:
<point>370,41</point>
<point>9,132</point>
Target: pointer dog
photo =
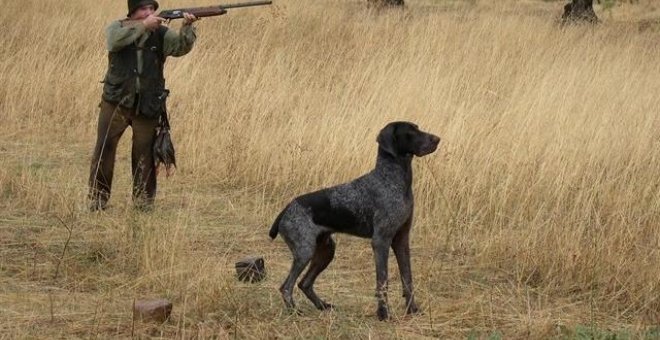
<point>378,205</point>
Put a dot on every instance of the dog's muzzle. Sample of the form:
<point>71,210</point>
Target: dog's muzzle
<point>429,146</point>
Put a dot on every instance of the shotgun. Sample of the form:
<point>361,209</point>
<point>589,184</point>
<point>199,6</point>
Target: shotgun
<point>208,11</point>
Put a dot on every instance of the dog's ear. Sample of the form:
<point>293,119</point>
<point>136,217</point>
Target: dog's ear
<point>387,140</point>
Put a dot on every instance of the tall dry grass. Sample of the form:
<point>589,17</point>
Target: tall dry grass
<point>537,218</point>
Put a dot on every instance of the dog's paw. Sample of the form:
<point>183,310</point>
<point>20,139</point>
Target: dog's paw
<point>413,309</point>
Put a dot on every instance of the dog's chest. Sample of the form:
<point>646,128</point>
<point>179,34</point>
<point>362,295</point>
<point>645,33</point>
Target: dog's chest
<point>389,204</point>
<point>393,210</point>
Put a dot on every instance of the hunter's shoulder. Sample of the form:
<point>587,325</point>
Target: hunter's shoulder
<point>114,24</point>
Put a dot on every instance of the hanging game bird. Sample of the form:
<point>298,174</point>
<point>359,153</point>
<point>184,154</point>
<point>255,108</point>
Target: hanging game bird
<point>163,148</point>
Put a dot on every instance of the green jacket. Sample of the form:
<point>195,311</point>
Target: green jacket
<point>136,60</point>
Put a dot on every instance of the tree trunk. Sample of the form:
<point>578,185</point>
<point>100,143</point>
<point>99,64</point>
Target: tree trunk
<point>386,3</point>
<point>579,11</point>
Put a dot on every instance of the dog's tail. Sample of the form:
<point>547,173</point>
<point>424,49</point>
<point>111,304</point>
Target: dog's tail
<point>276,225</point>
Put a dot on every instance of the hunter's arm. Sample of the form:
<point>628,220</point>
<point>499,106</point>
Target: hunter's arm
<point>119,36</point>
<point>179,43</point>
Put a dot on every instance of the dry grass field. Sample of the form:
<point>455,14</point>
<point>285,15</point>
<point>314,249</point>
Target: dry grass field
<point>536,218</point>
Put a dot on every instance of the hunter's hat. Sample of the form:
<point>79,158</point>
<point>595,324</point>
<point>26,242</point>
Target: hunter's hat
<point>135,4</point>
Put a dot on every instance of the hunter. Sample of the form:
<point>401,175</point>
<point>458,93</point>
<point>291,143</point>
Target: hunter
<point>134,95</point>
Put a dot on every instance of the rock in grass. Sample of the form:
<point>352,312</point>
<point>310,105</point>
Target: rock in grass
<point>157,310</point>
<point>251,269</point>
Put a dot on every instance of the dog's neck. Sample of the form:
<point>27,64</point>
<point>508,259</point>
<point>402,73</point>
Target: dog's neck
<point>400,167</point>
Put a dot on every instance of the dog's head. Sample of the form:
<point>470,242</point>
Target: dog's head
<point>404,138</point>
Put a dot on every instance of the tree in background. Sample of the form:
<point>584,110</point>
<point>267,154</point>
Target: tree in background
<point>386,3</point>
<point>579,11</point>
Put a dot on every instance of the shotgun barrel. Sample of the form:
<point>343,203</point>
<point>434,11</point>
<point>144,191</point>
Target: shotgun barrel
<point>208,11</point>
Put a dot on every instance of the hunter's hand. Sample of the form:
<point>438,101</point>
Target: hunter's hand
<point>152,22</point>
<point>189,18</point>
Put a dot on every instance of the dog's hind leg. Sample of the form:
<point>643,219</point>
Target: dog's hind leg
<point>300,261</point>
<point>301,236</point>
<point>323,255</point>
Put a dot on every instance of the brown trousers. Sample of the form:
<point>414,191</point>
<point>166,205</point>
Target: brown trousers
<point>113,121</point>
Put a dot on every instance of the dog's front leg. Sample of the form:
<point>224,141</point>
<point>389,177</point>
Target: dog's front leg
<point>401,247</point>
<point>381,249</point>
